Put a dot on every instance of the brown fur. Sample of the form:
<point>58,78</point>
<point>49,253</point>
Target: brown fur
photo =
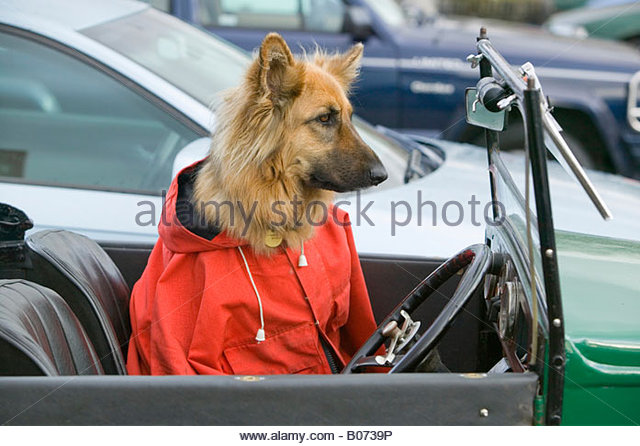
<point>269,145</point>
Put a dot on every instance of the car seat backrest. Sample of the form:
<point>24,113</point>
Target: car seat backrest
<point>40,335</point>
<point>85,276</point>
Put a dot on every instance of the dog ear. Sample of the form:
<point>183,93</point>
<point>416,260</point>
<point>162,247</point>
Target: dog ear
<point>280,78</point>
<point>346,67</point>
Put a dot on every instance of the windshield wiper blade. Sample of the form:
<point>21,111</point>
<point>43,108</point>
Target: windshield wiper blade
<point>414,166</point>
<point>420,153</point>
<point>563,154</point>
<point>561,150</point>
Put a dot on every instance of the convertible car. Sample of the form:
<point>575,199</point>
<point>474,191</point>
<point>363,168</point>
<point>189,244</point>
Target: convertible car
<point>533,326</point>
<point>93,127</point>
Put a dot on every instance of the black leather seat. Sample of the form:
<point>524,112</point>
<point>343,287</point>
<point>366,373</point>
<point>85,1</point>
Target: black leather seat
<point>80,271</point>
<point>40,335</point>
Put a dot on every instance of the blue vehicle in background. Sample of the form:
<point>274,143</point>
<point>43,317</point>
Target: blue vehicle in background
<point>414,71</point>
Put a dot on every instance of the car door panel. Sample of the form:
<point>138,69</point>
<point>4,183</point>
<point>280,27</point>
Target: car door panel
<point>100,215</point>
<point>281,400</point>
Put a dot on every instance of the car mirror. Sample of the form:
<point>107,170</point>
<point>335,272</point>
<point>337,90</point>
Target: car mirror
<point>479,116</point>
<point>358,23</point>
<point>189,154</point>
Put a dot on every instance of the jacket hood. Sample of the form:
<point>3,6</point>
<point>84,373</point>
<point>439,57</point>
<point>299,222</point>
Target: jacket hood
<point>181,227</point>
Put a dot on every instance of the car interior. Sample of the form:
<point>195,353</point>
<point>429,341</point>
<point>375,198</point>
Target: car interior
<point>64,313</point>
<point>95,282</point>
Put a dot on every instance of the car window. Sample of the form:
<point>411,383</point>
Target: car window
<point>303,15</point>
<point>64,122</point>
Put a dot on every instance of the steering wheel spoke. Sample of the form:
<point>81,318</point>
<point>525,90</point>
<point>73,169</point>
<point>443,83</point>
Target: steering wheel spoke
<point>477,260</point>
<point>369,361</point>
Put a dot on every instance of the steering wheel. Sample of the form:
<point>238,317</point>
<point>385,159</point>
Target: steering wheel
<point>477,259</point>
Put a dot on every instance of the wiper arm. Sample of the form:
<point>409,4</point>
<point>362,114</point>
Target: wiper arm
<point>414,166</point>
<point>561,150</point>
<point>420,154</point>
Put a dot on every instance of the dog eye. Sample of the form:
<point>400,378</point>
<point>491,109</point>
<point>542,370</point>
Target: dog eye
<point>325,119</point>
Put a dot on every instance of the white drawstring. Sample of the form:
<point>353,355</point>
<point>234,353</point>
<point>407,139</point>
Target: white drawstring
<point>302,260</point>
<point>260,336</point>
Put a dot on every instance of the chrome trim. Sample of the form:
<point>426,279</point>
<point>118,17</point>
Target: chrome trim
<point>379,62</point>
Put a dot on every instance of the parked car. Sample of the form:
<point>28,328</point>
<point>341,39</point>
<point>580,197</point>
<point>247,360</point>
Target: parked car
<point>615,20</point>
<point>414,73</point>
<point>100,109</point>
<point>88,133</point>
<point>534,342</point>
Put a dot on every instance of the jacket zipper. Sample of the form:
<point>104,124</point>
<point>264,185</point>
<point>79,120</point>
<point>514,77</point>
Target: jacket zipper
<point>329,354</point>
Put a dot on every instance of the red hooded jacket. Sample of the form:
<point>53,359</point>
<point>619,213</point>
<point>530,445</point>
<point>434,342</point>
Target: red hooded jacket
<point>194,310</point>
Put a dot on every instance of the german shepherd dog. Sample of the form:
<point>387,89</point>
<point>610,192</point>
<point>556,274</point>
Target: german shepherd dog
<point>284,143</point>
<point>285,137</point>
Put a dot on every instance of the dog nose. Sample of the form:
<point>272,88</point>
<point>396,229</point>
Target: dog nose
<point>378,174</point>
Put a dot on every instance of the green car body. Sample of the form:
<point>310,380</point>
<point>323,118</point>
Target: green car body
<point>601,305</point>
<point>621,22</point>
<point>601,298</point>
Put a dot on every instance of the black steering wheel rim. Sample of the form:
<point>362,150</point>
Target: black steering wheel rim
<point>477,260</point>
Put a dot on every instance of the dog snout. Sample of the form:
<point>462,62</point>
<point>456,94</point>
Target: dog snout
<point>378,173</point>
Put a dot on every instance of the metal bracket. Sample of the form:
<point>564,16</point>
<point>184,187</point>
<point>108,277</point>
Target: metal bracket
<point>506,102</point>
<point>474,59</point>
<point>400,337</point>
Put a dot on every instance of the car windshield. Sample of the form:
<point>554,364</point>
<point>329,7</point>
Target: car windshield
<point>523,202</point>
<point>192,60</point>
<point>203,66</point>
<point>390,11</point>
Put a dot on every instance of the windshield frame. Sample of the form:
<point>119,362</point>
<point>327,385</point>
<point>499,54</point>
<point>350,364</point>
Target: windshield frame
<point>527,99</point>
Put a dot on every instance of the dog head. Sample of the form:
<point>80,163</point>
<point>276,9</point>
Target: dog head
<point>309,108</point>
